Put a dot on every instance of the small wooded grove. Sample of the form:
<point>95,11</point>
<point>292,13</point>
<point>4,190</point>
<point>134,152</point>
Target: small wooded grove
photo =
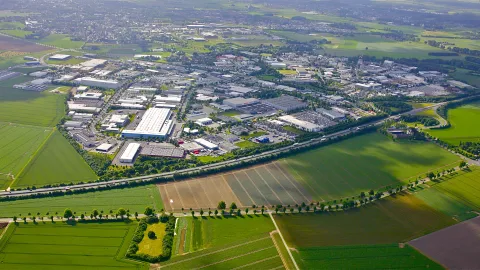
<point>167,243</point>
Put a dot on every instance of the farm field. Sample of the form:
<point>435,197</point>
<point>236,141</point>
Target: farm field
<point>57,162</point>
<point>363,257</point>
<point>466,76</point>
<point>362,163</point>
<point>28,107</point>
<point>396,219</point>
<point>266,184</point>
<point>19,45</point>
<point>71,61</point>
<point>61,41</point>
<point>227,243</point>
<point>455,247</point>
<point>462,130</point>
<point>18,144</point>
<point>61,246</point>
<point>16,32</point>
<point>134,199</point>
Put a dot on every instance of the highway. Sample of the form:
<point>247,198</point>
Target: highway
<point>285,149</point>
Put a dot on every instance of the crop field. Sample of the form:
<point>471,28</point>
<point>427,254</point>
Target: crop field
<point>134,199</point>
<point>71,61</point>
<point>227,243</point>
<point>462,129</point>
<point>61,41</point>
<point>57,162</point>
<point>387,221</point>
<point>363,257</point>
<point>19,45</point>
<point>455,247</point>
<point>466,76</point>
<point>28,107</point>
<point>362,163</point>
<point>267,185</point>
<point>61,246</point>
<point>19,143</point>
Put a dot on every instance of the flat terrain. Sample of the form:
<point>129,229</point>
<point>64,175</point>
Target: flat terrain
<point>455,247</point>
<point>267,184</point>
<point>29,107</point>
<point>362,163</point>
<point>57,162</point>
<point>363,257</point>
<point>19,45</point>
<point>61,41</point>
<point>462,128</point>
<point>19,143</point>
<point>149,246</point>
<point>388,221</point>
<point>61,246</point>
<point>133,199</point>
<point>228,243</point>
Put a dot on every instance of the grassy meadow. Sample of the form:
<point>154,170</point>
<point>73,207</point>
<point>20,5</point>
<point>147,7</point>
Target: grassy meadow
<point>57,162</point>
<point>462,128</point>
<point>391,220</point>
<point>19,143</point>
<point>363,257</point>
<point>134,199</point>
<point>362,163</point>
<point>61,41</point>
<point>59,245</point>
<point>153,247</point>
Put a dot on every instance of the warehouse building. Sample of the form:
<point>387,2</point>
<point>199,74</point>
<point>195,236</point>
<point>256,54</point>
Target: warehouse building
<point>206,144</point>
<point>286,103</point>
<point>130,152</point>
<point>89,81</point>
<point>332,114</point>
<point>239,102</point>
<point>155,123</point>
<point>60,57</point>
<point>204,121</point>
<point>300,124</point>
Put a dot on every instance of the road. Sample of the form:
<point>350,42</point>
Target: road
<point>222,164</point>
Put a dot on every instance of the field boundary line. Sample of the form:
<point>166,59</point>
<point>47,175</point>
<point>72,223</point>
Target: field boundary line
<point>41,147</point>
<point>273,191</point>
<point>235,257</point>
<point>246,192</point>
<point>216,251</point>
<point>277,268</point>
<point>303,179</point>
<point>255,262</point>
<point>292,181</point>
<point>276,180</point>
<point>178,193</point>
<point>266,202</point>
<point>284,242</point>
<point>4,230</point>
<point>166,195</point>
<point>229,188</point>
<point>204,192</point>
<point>193,194</point>
<point>278,250</point>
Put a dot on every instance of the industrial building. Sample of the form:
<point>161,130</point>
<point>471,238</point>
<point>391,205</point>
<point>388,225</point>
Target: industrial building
<point>89,81</point>
<point>155,123</point>
<point>130,152</point>
<point>157,151</point>
<point>332,114</point>
<point>60,57</point>
<point>206,144</point>
<point>286,103</point>
<point>104,147</point>
<point>171,99</point>
<point>300,124</point>
<point>94,63</point>
<point>204,121</point>
<point>239,102</point>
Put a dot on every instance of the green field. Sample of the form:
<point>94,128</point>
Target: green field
<point>225,243</point>
<point>246,144</point>
<point>153,247</point>
<point>16,32</point>
<point>362,163</point>
<point>57,162</point>
<point>71,61</point>
<point>363,257</point>
<point>19,143</point>
<point>62,246</point>
<point>61,41</point>
<point>28,107</point>
<point>462,128</point>
<point>466,76</point>
<point>133,199</point>
<point>391,220</point>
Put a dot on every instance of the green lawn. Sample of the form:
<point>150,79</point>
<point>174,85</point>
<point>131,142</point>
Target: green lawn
<point>57,162</point>
<point>71,61</point>
<point>59,246</point>
<point>231,113</point>
<point>19,143</point>
<point>362,163</point>
<point>462,128</point>
<point>61,41</point>
<point>391,220</point>
<point>246,144</point>
<point>254,134</point>
<point>153,247</point>
<point>133,199</point>
<point>29,107</point>
<point>294,130</point>
<point>226,243</point>
<point>363,257</point>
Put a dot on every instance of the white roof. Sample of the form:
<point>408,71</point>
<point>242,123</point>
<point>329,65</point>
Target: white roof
<point>93,63</point>
<point>59,56</point>
<point>130,152</point>
<point>206,143</point>
<point>104,147</point>
<point>292,120</point>
<point>154,122</point>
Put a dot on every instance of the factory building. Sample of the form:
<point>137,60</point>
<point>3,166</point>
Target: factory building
<point>204,121</point>
<point>89,81</point>
<point>129,154</point>
<point>300,124</point>
<point>206,144</point>
<point>332,114</point>
<point>60,57</point>
<point>286,103</point>
<point>239,102</point>
<point>155,123</point>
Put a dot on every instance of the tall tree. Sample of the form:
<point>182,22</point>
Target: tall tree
<point>68,213</point>
<point>222,205</point>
